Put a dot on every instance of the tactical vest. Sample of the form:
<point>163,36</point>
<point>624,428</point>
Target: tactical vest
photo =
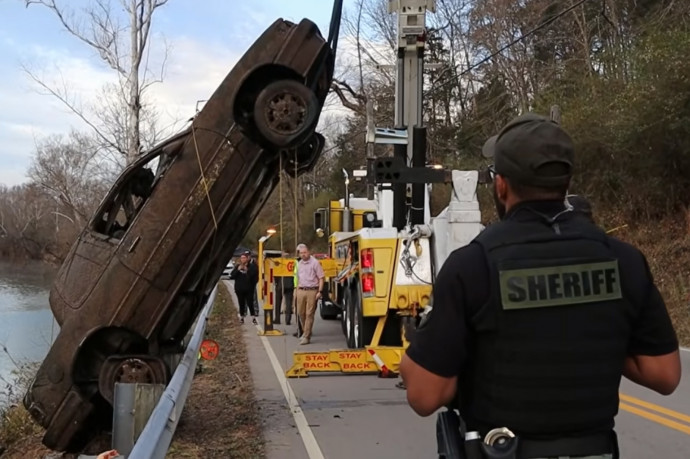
<point>551,339</point>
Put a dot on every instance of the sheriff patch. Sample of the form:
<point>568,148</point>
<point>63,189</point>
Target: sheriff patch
<point>559,285</point>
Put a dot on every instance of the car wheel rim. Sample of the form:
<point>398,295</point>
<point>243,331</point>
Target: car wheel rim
<point>286,113</point>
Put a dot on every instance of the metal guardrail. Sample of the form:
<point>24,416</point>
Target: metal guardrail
<point>155,439</point>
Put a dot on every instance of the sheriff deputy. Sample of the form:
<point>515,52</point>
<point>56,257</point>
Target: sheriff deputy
<point>534,322</point>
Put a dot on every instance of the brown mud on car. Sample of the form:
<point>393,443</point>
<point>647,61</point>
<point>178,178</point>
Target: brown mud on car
<point>142,269</point>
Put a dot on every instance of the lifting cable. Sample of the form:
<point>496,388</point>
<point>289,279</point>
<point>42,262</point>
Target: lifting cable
<point>334,29</point>
<point>203,178</point>
<point>286,363</point>
<point>294,204</point>
<point>280,205</point>
<point>333,34</point>
<point>202,300</point>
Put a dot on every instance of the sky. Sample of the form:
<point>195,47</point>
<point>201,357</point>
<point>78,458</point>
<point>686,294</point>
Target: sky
<point>205,39</point>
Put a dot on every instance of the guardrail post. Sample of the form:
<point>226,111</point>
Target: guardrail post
<point>133,405</point>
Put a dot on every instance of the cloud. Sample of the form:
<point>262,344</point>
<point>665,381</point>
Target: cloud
<point>194,70</point>
<point>196,65</point>
<point>11,175</point>
<point>20,129</point>
<point>28,114</point>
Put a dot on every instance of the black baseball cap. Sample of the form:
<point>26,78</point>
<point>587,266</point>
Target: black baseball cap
<point>532,150</point>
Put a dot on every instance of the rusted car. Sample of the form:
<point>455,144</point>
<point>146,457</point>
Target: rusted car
<point>143,267</point>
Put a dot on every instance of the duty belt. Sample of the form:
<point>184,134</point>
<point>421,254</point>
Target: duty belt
<point>588,445</point>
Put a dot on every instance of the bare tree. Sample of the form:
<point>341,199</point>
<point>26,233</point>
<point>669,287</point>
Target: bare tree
<point>73,173</point>
<point>25,230</point>
<point>371,30</point>
<point>99,27</point>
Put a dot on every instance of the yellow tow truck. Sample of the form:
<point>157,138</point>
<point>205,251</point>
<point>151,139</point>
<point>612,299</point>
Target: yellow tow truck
<point>373,305</point>
<point>386,247</point>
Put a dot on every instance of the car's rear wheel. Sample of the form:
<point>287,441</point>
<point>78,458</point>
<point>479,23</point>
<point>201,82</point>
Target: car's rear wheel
<point>131,369</point>
<point>112,355</point>
<point>303,158</point>
<point>285,112</point>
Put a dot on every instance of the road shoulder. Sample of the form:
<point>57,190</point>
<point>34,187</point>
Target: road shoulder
<point>282,438</point>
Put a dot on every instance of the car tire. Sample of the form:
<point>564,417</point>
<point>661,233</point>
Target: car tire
<point>306,155</point>
<point>285,113</point>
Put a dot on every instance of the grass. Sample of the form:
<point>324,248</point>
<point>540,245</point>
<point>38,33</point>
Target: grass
<point>20,436</point>
<point>221,417</point>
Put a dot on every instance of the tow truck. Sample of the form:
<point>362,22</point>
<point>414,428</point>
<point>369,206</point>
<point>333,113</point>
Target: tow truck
<point>387,247</point>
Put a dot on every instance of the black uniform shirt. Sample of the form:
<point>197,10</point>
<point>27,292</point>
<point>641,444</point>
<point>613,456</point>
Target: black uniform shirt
<point>443,343</point>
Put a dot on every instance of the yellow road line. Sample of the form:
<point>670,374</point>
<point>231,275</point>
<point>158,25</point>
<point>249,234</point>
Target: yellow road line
<point>656,418</point>
<point>654,407</point>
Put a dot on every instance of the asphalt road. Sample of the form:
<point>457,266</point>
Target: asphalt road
<point>345,416</point>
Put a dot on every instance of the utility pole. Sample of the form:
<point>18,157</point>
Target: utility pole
<point>409,135</point>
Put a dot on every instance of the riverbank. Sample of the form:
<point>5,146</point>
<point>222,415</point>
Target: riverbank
<point>20,436</point>
<point>220,418</point>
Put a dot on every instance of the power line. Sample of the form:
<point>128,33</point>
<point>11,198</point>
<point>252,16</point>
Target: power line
<point>522,37</point>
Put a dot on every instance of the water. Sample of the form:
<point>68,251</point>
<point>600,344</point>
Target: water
<point>27,327</point>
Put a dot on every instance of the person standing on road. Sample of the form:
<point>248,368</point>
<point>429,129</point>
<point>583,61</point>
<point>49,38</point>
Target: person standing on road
<point>285,288</point>
<point>310,278</point>
<point>254,276</point>
<point>535,321</point>
<point>244,284</point>
<point>299,331</point>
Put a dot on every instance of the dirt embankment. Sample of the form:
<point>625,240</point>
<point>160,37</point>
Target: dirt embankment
<point>666,245</point>
<point>221,417</point>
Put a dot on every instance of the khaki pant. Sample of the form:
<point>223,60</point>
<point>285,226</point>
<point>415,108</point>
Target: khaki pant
<point>306,309</point>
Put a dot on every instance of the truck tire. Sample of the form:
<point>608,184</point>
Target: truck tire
<point>326,310</point>
<point>285,112</point>
<point>343,314</point>
<point>362,329</point>
<point>349,315</point>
